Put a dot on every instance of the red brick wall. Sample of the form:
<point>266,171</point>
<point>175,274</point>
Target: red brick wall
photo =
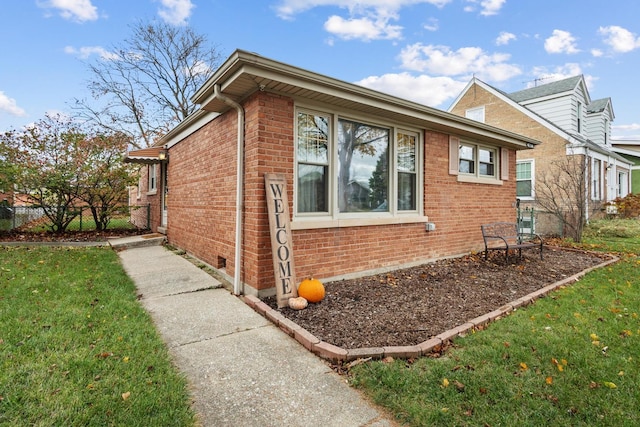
<point>201,200</point>
<point>202,203</point>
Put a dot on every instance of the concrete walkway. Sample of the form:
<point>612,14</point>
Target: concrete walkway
<point>243,370</point>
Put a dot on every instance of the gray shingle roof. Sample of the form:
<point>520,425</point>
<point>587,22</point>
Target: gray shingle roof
<point>598,105</point>
<point>546,89</point>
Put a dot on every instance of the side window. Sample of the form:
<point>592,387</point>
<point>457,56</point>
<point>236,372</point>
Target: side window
<point>476,114</point>
<point>312,157</point>
<point>524,179</point>
<point>478,163</point>
<point>407,171</point>
<point>477,160</point>
<point>153,179</point>
<point>595,179</point>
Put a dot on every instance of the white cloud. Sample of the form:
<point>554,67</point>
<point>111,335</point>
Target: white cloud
<point>175,12</point>
<point>85,52</point>
<point>74,10</point>
<point>362,28</point>
<point>487,7</point>
<point>10,106</point>
<point>287,9</point>
<point>620,39</point>
<point>199,68</point>
<point>463,62</point>
<point>432,91</point>
<point>570,69</point>
<point>630,131</point>
<point>561,42</point>
<point>597,53</point>
<point>504,38</point>
<point>432,24</point>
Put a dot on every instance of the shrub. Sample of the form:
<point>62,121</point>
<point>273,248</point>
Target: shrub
<point>629,206</point>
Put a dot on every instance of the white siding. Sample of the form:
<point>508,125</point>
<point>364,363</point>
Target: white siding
<point>559,111</point>
<point>595,128</point>
<point>562,110</point>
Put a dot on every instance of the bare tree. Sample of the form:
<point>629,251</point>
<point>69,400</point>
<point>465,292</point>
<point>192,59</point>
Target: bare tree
<point>144,86</point>
<point>563,192</point>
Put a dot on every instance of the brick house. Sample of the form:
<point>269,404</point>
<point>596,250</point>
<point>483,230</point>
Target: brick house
<point>374,182</point>
<point>562,116</point>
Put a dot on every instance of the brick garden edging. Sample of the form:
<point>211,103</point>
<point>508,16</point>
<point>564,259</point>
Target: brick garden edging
<point>334,353</point>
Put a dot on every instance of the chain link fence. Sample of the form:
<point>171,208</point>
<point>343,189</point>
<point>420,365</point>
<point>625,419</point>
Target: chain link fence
<point>32,218</point>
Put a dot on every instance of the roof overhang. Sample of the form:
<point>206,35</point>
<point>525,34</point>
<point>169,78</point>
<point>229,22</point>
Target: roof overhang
<point>244,73</point>
<point>147,156</point>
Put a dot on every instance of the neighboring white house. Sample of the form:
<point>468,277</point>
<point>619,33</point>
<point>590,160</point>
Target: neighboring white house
<point>630,150</point>
<point>567,121</point>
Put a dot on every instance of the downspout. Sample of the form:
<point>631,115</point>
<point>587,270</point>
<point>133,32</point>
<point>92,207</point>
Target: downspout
<point>587,177</point>
<point>237,283</point>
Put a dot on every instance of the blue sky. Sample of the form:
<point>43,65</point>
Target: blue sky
<point>423,50</point>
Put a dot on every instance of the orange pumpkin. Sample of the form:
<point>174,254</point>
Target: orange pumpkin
<point>311,289</point>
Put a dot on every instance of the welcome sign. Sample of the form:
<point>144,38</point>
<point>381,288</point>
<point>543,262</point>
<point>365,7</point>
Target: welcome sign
<point>281,246</point>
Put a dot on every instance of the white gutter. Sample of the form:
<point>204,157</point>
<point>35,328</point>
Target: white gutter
<point>237,282</point>
<point>587,177</point>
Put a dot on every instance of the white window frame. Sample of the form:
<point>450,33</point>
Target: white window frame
<point>532,178</point>
<point>579,121</point>
<point>153,179</point>
<point>623,183</point>
<point>596,179</point>
<point>476,114</point>
<point>333,217</point>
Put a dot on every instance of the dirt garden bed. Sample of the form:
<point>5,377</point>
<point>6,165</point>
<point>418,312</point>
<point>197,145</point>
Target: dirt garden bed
<point>409,306</point>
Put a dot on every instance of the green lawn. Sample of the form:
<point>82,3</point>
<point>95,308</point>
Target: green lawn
<point>571,359</point>
<point>77,349</point>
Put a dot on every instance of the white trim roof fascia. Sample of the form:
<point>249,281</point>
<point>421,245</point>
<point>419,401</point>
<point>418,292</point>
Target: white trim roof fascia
<point>190,125</point>
<point>555,129</point>
<point>245,62</point>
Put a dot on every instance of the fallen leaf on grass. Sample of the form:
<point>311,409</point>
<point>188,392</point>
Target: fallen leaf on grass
<point>459,386</point>
<point>126,395</point>
<point>523,366</point>
<point>610,384</point>
<point>445,382</point>
<point>549,380</point>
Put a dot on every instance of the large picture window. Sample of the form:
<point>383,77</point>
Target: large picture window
<point>363,167</point>
<point>348,167</point>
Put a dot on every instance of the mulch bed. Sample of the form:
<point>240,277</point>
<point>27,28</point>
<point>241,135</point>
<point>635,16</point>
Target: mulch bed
<point>409,306</point>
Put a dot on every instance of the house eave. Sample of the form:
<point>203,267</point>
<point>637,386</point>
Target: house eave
<point>146,156</point>
<point>245,73</point>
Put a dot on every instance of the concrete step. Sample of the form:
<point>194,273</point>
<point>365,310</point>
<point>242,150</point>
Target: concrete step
<point>144,240</point>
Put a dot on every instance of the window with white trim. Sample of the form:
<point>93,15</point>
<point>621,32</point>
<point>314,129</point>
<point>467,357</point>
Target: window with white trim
<point>623,187</point>
<point>579,118</point>
<point>524,179</point>
<point>476,114</point>
<point>348,168</point>
<point>596,179</point>
<point>153,179</point>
